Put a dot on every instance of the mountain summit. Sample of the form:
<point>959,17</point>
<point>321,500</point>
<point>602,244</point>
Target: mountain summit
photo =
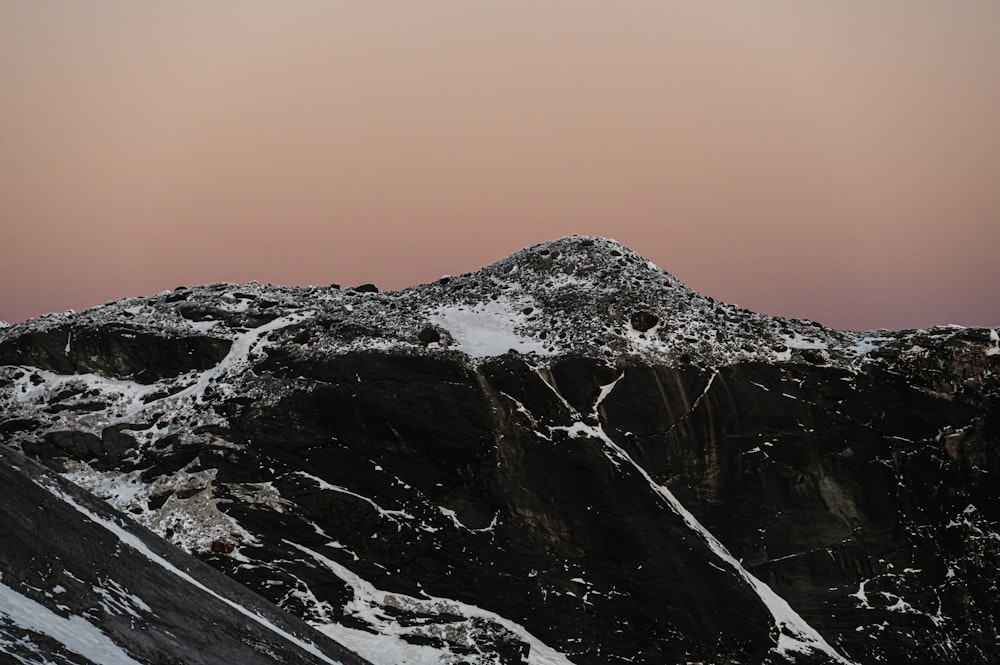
<point>565,457</point>
<point>576,295</point>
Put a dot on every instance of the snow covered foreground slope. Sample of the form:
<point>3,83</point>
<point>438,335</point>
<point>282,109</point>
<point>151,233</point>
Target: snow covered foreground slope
<point>82,584</point>
<point>567,456</point>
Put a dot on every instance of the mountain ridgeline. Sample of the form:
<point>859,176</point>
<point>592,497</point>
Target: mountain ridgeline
<point>565,457</point>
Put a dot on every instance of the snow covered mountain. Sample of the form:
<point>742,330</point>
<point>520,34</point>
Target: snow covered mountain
<point>565,457</point>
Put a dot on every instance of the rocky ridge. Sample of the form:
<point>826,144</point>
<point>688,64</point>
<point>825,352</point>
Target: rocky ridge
<point>580,295</point>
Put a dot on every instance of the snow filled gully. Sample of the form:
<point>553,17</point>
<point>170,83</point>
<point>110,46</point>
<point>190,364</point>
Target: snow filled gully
<point>389,646</point>
<point>795,635</point>
<point>238,358</point>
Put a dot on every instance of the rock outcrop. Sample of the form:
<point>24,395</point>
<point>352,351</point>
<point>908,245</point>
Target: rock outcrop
<point>82,584</point>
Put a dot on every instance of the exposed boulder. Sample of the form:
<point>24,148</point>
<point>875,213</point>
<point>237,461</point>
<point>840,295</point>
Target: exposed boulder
<point>364,288</point>
<point>429,336</point>
<point>643,321</point>
<point>222,547</point>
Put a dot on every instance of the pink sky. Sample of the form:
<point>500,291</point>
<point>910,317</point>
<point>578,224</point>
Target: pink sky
<point>832,161</point>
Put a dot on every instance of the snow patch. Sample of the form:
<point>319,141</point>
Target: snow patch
<point>75,633</point>
<point>861,596</point>
<point>865,344</point>
<point>490,328</point>
<point>117,600</point>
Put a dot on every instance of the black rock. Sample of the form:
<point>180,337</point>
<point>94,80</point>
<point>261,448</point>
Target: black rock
<point>429,336</point>
<point>83,584</point>
<point>117,351</point>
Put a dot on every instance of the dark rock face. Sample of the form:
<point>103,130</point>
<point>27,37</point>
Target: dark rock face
<point>684,495</point>
<point>455,442</point>
<point>838,491</point>
<point>89,594</point>
<point>825,484</point>
<point>119,351</point>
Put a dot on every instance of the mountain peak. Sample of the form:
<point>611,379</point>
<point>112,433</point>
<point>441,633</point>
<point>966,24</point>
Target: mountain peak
<point>594,296</point>
<point>580,257</point>
<point>581,295</point>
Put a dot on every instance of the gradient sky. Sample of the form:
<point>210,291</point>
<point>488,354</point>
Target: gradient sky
<point>835,161</point>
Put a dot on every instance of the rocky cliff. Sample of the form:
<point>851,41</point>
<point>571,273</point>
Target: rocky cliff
<point>81,584</point>
<point>566,457</point>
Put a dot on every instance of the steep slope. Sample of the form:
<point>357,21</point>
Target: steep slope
<point>82,584</point>
<point>567,456</point>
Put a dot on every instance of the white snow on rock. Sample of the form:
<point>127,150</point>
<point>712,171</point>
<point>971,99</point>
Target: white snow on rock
<point>570,295</point>
<point>136,544</point>
<point>244,347</point>
<point>794,634</point>
<point>798,341</point>
<point>75,633</point>
<point>194,521</point>
<point>490,328</point>
<point>394,515</point>
<point>387,645</point>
